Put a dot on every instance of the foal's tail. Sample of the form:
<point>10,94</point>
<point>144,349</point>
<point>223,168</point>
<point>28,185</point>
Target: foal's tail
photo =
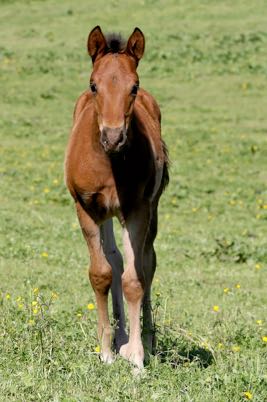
<point>165,174</point>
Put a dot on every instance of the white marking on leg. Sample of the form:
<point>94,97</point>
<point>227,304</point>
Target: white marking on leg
<point>133,291</point>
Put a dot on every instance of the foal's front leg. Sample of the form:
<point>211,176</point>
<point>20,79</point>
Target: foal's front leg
<point>100,274</point>
<point>114,258</point>
<point>134,237</point>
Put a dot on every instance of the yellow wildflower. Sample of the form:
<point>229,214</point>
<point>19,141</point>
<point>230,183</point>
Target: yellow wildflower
<point>238,286</point>
<point>90,306</point>
<point>44,254</point>
<point>236,348</point>
<point>6,61</point>
<point>55,181</point>
<point>34,303</point>
<point>205,345</point>
<point>258,266</point>
<point>226,290</point>
<point>20,306</point>
<point>54,295</point>
<point>174,201</point>
<point>167,322</point>
<point>8,296</point>
<point>220,345</point>
<point>18,299</point>
<point>31,322</point>
<point>232,202</point>
<point>79,314</point>
<point>36,291</point>
<point>259,322</point>
<point>248,395</point>
<point>46,190</point>
<point>216,308</point>
<point>264,338</point>
<point>97,349</point>
<point>35,310</point>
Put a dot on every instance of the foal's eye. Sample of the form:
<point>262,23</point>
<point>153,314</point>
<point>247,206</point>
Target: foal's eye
<point>134,90</point>
<point>93,87</point>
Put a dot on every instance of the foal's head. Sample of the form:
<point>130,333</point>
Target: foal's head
<point>114,83</point>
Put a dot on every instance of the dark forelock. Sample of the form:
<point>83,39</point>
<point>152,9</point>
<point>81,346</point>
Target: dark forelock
<point>115,43</point>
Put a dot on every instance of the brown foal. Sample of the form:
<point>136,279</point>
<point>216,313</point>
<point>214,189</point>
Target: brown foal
<point>116,165</point>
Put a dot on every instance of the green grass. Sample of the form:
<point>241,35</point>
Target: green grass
<point>206,65</point>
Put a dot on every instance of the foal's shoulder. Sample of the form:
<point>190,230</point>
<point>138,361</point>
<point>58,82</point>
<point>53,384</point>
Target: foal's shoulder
<point>84,100</point>
<point>148,112</point>
<point>145,99</point>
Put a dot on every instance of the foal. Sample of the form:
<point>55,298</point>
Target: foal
<point>116,165</point>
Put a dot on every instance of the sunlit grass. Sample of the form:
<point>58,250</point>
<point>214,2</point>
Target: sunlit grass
<point>206,66</point>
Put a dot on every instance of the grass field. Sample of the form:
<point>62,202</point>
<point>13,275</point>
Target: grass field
<point>206,65</point>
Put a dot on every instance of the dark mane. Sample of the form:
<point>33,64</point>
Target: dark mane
<point>115,42</point>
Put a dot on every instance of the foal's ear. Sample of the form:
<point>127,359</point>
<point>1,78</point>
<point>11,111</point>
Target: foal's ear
<point>136,45</point>
<point>96,43</point>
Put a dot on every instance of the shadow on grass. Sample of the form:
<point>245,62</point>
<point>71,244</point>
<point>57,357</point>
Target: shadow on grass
<point>184,357</point>
<point>179,350</point>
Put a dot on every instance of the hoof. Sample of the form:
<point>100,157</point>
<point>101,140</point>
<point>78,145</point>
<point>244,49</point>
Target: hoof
<point>107,357</point>
<point>134,354</point>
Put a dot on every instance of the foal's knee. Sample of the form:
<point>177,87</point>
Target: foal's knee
<point>132,287</point>
<point>100,277</point>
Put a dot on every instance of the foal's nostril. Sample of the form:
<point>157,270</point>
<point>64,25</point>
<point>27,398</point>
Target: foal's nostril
<point>112,139</point>
<point>104,138</point>
<point>119,140</point>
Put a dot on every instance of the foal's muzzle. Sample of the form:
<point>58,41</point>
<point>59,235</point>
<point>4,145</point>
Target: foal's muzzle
<point>113,139</point>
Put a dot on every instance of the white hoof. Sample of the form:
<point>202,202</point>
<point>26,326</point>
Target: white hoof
<point>107,357</point>
<point>133,353</point>
<point>139,372</point>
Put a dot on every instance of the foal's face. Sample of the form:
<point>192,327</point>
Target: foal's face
<point>114,84</point>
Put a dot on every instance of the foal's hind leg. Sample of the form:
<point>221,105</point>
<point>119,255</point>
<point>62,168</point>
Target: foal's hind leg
<point>100,274</point>
<point>149,267</point>
<point>115,259</point>
<point>148,332</point>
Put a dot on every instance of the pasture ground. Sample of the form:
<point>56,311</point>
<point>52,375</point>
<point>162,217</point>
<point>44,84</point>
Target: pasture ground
<point>206,65</point>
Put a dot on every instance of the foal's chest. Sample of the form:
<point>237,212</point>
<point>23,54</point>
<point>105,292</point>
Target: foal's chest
<point>101,201</point>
